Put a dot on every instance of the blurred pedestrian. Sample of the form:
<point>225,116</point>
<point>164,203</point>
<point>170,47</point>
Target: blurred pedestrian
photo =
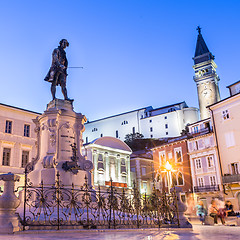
<point>201,211</point>
<point>215,212</point>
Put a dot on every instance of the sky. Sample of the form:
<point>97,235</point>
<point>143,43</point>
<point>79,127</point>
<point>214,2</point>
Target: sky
<point>134,53</point>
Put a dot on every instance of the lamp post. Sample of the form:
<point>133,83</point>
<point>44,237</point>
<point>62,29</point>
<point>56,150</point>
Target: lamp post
<point>168,168</point>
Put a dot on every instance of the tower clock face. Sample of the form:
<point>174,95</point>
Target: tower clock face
<point>206,93</point>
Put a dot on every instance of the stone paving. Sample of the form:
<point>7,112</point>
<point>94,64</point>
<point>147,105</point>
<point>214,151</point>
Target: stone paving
<point>199,232</point>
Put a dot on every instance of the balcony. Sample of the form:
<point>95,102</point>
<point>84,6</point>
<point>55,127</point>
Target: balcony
<point>202,132</point>
<point>206,188</point>
<point>231,178</point>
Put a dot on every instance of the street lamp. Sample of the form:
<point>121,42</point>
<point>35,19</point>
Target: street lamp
<point>168,168</point>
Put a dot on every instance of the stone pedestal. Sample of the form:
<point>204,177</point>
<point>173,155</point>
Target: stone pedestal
<point>59,128</point>
<point>9,222</point>
<point>182,208</point>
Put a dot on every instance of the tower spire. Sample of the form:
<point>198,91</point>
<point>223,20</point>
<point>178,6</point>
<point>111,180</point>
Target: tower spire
<point>201,49</point>
<point>205,77</point>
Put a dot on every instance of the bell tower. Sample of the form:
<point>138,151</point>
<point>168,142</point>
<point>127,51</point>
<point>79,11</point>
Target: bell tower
<point>205,77</point>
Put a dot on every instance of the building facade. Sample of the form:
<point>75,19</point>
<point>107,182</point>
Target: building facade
<point>204,161</point>
<point>205,77</point>
<point>168,121</point>
<point>142,166</point>
<point>174,153</point>
<point>225,116</point>
<point>17,139</point>
<point>111,161</point>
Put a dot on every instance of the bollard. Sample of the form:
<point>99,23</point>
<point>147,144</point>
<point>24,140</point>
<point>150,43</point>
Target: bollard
<point>9,222</point>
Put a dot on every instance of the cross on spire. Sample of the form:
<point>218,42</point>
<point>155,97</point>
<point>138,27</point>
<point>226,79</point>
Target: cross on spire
<point>199,29</point>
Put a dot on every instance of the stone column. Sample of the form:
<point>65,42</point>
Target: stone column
<point>95,161</point>
<point>127,161</point>
<point>8,204</point>
<point>119,175</point>
<point>107,177</point>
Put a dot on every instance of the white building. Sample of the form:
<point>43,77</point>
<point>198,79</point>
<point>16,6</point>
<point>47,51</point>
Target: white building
<point>111,160</point>
<point>17,139</point>
<point>168,121</point>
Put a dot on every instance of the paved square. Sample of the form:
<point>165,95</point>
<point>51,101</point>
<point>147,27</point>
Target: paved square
<point>199,232</point>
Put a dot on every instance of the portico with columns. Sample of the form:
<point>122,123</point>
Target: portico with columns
<point>111,161</point>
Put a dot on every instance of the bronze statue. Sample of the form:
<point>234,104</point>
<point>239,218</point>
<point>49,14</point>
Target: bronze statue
<point>58,71</point>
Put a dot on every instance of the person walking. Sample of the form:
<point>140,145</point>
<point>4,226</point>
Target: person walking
<point>201,211</point>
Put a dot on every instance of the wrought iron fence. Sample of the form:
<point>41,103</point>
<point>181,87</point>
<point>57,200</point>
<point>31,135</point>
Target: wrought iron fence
<point>60,206</point>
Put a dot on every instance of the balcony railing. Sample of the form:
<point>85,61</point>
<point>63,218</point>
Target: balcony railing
<point>202,131</point>
<point>231,178</point>
<point>206,188</point>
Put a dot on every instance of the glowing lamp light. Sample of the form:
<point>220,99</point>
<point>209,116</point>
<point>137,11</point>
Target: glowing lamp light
<point>168,166</point>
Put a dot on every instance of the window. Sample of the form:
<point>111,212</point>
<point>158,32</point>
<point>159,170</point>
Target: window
<point>180,179</point>
<point>101,135</point>
<point>225,115</point>
<point>212,181</point>
<point>151,136</point>
<point>117,134</point>
<point>161,157</point>
<point>200,182</point>
<point>133,130</point>
<point>133,169</point>
<point>210,162</point>
<point>8,128</point>
<point>150,120</point>
<point>86,139</point>
<point>6,157</point>
<point>165,117</point>
<point>100,165</point>
<point>123,166</point>
<point>200,144</point>
<point>26,130</point>
<point>196,145</point>
<point>178,154</point>
<point>234,168</point>
<point>198,163</point>
<point>151,129</point>
<point>94,129</point>
<point>166,125</point>
<point>124,179</point>
<point>195,129</point>
<point>229,139</point>
<point>166,133</point>
<point>25,158</point>
<point>143,171</point>
<point>144,184</point>
<point>124,122</point>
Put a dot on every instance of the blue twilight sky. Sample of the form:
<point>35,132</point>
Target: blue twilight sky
<point>135,53</point>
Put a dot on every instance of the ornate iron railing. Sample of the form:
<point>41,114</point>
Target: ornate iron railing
<point>206,188</point>
<point>60,206</point>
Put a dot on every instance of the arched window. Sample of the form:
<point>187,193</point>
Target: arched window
<point>180,179</point>
<point>174,179</point>
<point>100,162</point>
<point>123,166</point>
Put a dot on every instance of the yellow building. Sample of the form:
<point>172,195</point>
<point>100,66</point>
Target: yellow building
<point>225,116</point>
<point>17,139</point>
